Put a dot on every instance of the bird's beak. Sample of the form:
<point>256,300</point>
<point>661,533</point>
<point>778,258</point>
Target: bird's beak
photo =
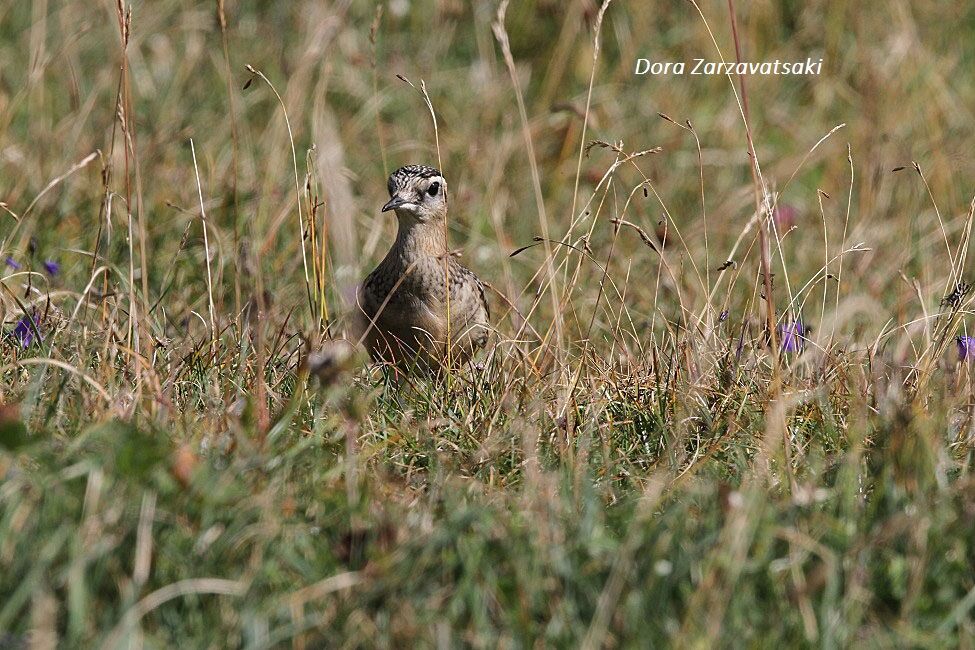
<point>393,203</point>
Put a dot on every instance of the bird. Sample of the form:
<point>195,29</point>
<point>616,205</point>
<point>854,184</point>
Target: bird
<point>420,306</point>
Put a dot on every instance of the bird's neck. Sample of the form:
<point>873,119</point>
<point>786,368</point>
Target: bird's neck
<point>414,239</point>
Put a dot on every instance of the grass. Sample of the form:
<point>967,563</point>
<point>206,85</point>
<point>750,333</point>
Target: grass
<point>632,462</point>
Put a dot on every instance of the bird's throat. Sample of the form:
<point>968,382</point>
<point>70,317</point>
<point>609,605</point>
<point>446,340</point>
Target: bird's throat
<point>420,239</point>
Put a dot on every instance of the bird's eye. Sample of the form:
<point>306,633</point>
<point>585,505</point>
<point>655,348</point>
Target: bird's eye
<point>434,188</point>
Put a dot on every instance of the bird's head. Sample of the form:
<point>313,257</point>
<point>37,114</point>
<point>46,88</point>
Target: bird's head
<point>417,193</point>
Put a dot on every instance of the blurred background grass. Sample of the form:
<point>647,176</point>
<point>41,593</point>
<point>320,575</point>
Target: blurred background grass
<point>648,475</point>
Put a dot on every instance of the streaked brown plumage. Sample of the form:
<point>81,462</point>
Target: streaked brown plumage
<point>404,303</point>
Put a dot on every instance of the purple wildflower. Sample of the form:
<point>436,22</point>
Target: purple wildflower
<point>966,347</point>
<point>52,267</point>
<point>12,263</point>
<point>791,335</point>
<point>785,217</point>
<point>24,332</point>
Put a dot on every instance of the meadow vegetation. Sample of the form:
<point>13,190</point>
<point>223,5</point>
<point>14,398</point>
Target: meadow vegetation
<point>677,435</point>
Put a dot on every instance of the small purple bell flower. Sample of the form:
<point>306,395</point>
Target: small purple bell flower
<point>791,336</point>
<point>966,347</point>
<point>23,333</point>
